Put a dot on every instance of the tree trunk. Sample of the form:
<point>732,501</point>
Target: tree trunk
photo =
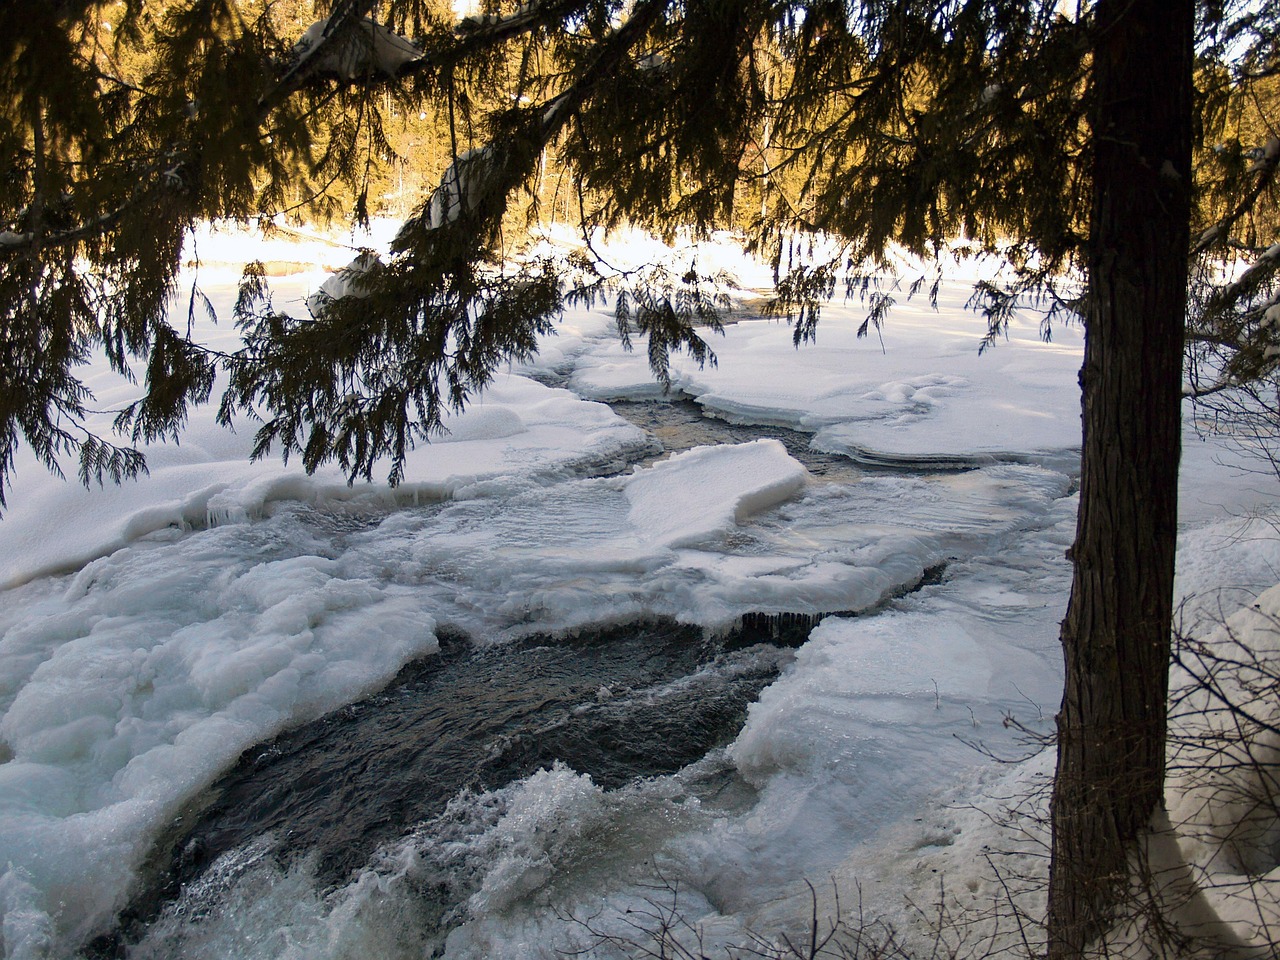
<point>1116,635</point>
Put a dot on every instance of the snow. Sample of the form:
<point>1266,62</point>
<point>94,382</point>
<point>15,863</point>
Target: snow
<point>518,432</point>
<point>152,632</point>
<point>919,394</point>
<point>1266,156</point>
<point>344,282</point>
<point>462,186</point>
<point>700,493</point>
<point>222,249</point>
<point>372,49</point>
<point>1223,790</point>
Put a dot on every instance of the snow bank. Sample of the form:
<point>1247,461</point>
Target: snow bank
<point>126,688</point>
<point>222,249</point>
<point>1224,784</point>
<point>516,432</point>
<point>978,847</point>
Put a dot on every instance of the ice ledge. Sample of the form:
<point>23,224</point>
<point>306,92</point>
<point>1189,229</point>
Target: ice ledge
<point>707,490</point>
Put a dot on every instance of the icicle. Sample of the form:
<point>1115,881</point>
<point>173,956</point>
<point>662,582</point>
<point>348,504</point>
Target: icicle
<point>784,629</point>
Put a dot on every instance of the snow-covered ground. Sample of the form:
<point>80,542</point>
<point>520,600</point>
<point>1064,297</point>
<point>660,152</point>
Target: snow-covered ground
<point>152,632</point>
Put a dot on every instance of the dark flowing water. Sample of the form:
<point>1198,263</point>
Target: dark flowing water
<point>681,425</point>
<point>618,704</point>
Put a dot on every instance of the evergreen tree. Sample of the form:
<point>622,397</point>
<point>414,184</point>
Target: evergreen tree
<point>1059,138</point>
<point>1117,635</point>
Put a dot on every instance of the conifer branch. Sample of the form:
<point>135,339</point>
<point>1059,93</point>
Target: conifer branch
<point>342,23</point>
<point>1264,169</point>
<point>479,33</point>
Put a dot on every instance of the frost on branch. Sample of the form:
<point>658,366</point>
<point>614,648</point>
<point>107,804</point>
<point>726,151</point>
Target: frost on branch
<point>370,48</point>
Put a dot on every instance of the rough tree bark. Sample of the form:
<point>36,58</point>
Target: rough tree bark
<point>1116,635</point>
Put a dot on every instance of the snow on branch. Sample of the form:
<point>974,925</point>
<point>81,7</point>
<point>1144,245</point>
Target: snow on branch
<point>462,187</point>
<point>1239,323</point>
<point>1263,269</point>
<point>346,282</point>
<point>1264,157</point>
<point>488,28</point>
<point>1264,163</point>
<point>517,20</point>
<point>369,48</point>
<point>476,173</point>
<point>9,238</point>
<point>309,60</point>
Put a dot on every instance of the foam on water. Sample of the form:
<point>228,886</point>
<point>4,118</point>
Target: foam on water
<point>513,852</point>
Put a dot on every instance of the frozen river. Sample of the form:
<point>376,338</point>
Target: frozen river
<point>573,656</point>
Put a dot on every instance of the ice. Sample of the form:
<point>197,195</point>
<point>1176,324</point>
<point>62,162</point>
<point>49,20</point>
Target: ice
<point>919,392</point>
<point>203,608</point>
<point>127,687</point>
<point>703,492</point>
<point>1219,477</point>
<point>131,684</point>
<point>833,749</point>
<point>516,432</point>
<point>826,548</point>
